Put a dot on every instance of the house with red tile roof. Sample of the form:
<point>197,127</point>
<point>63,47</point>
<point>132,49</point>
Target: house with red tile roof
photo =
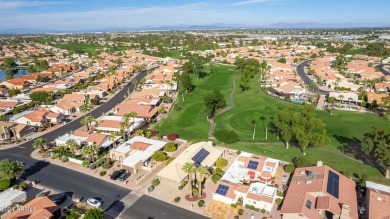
<point>379,98</point>
<point>39,117</point>
<point>38,208</point>
<point>146,112</point>
<point>378,200</point>
<point>15,83</point>
<point>100,140</point>
<point>319,192</point>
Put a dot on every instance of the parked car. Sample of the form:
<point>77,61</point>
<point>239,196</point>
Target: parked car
<point>95,202</point>
<point>59,199</point>
<point>116,174</point>
<point>124,176</point>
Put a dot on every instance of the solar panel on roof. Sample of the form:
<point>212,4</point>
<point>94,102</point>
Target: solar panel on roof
<point>253,164</point>
<point>333,184</point>
<point>200,156</point>
<point>222,190</point>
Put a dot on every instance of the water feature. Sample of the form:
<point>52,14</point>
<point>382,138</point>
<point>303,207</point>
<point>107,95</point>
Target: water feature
<point>16,73</point>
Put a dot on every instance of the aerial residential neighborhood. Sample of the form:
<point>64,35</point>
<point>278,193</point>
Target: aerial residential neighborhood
<point>218,109</point>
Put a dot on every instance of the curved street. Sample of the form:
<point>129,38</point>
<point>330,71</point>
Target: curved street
<point>83,186</point>
<point>301,72</point>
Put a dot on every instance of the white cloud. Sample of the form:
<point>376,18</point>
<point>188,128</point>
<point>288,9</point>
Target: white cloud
<point>15,4</point>
<point>246,2</point>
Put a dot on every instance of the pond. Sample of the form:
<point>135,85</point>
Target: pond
<point>16,73</point>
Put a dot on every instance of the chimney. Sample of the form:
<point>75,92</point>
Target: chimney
<point>319,163</point>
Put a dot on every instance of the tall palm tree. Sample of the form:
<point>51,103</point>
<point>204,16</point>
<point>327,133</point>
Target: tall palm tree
<point>203,173</point>
<point>90,151</point>
<point>72,145</point>
<point>189,168</point>
<point>139,132</point>
<point>341,97</point>
<point>9,169</point>
<point>112,138</point>
<point>123,125</point>
<point>133,114</point>
<point>84,121</point>
<point>255,118</point>
<point>266,108</point>
<point>40,144</point>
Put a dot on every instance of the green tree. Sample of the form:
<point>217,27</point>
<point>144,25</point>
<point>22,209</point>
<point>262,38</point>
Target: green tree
<point>10,63</point>
<point>41,96</point>
<point>10,170</point>
<point>170,147</point>
<point>213,101</point>
<point>255,119</point>
<point>159,156</point>
<point>13,92</point>
<point>185,83</point>
<point>282,60</point>
<point>40,144</point>
<point>90,151</point>
<point>72,145</point>
<point>189,169</point>
<point>94,213</point>
<point>376,143</point>
<point>203,173</point>
<point>221,163</point>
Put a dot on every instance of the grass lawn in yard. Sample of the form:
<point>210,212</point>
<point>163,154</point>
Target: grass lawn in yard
<point>191,121</point>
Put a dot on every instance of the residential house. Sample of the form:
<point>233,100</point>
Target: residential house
<point>43,208</point>
<point>11,197</point>
<point>15,83</point>
<point>3,91</point>
<point>79,135</point>
<point>201,154</point>
<point>100,140</point>
<point>320,192</point>
<point>136,153</point>
<point>378,200</point>
<point>40,117</point>
<point>145,112</point>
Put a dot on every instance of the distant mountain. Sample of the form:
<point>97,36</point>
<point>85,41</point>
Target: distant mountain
<point>215,26</point>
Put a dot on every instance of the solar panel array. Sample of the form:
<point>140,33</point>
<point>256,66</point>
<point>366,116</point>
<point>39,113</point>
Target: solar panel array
<point>222,190</point>
<point>200,156</point>
<point>253,164</point>
<point>333,184</point>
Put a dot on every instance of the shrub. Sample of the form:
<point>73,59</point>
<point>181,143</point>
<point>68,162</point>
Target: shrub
<point>263,210</point>
<point>278,201</point>
<point>276,185</point>
<point>177,107</point>
<point>183,184</point>
<point>301,162</point>
<point>159,156</point>
<point>234,205</point>
<point>177,199</point>
<point>107,164</point>
<point>155,182</point>
<point>226,136</point>
<point>170,147</point>
<point>102,173</point>
<point>219,171</point>
<point>172,136</point>
<point>5,184</point>
<point>169,160</point>
<point>153,132</point>
<point>236,217</point>
<point>64,159</point>
<point>240,211</point>
<point>215,178</point>
<point>22,185</point>
<point>221,163</point>
<point>150,188</point>
<point>86,163</point>
<point>200,203</point>
<point>279,193</point>
<point>92,166</point>
<point>98,163</point>
<point>160,136</point>
<point>238,152</point>
<point>289,168</point>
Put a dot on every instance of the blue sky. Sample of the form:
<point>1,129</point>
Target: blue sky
<point>91,14</point>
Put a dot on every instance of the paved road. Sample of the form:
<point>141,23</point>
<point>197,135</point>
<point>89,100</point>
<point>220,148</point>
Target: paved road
<point>307,80</point>
<point>381,68</point>
<point>142,209</point>
<point>79,185</point>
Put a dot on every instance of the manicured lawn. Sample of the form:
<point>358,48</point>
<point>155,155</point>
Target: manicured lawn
<point>191,121</point>
<point>335,161</point>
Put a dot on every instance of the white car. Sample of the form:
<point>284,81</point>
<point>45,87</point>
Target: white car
<point>95,202</point>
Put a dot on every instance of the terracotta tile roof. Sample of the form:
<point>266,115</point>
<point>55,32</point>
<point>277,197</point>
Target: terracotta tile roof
<point>139,145</point>
<point>111,124</point>
<point>258,197</point>
<point>74,97</point>
<point>379,204</point>
<point>96,138</point>
<point>322,202</point>
<point>81,133</point>
<point>17,81</point>
<point>303,188</point>
<point>8,104</point>
<point>242,188</point>
<point>259,159</point>
<point>378,97</point>
<point>47,89</point>
<point>43,206</point>
<point>230,192</point>
<point>143,111</point>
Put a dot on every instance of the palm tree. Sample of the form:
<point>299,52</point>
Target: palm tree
<point>341,97</point>
<point>255,118</point>
<point>84,121</point>
<point>266,108</point>
<point>87,121</point>
<point>40,144</point>
<point>72,145</point>
<point>133,114</point>
<point>123,125</point>
<point>112,138</point>
<point>90,151</point>
<point>10,170</point>
<point>203,173</point>
<point>189,168</point>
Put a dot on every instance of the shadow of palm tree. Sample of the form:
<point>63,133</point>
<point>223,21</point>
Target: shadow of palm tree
<point>36,167</point>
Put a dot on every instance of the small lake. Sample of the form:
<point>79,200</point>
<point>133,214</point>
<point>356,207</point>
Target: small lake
<point>17,74</point>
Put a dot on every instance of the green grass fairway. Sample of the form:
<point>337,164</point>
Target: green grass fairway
<point>191,121</point>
